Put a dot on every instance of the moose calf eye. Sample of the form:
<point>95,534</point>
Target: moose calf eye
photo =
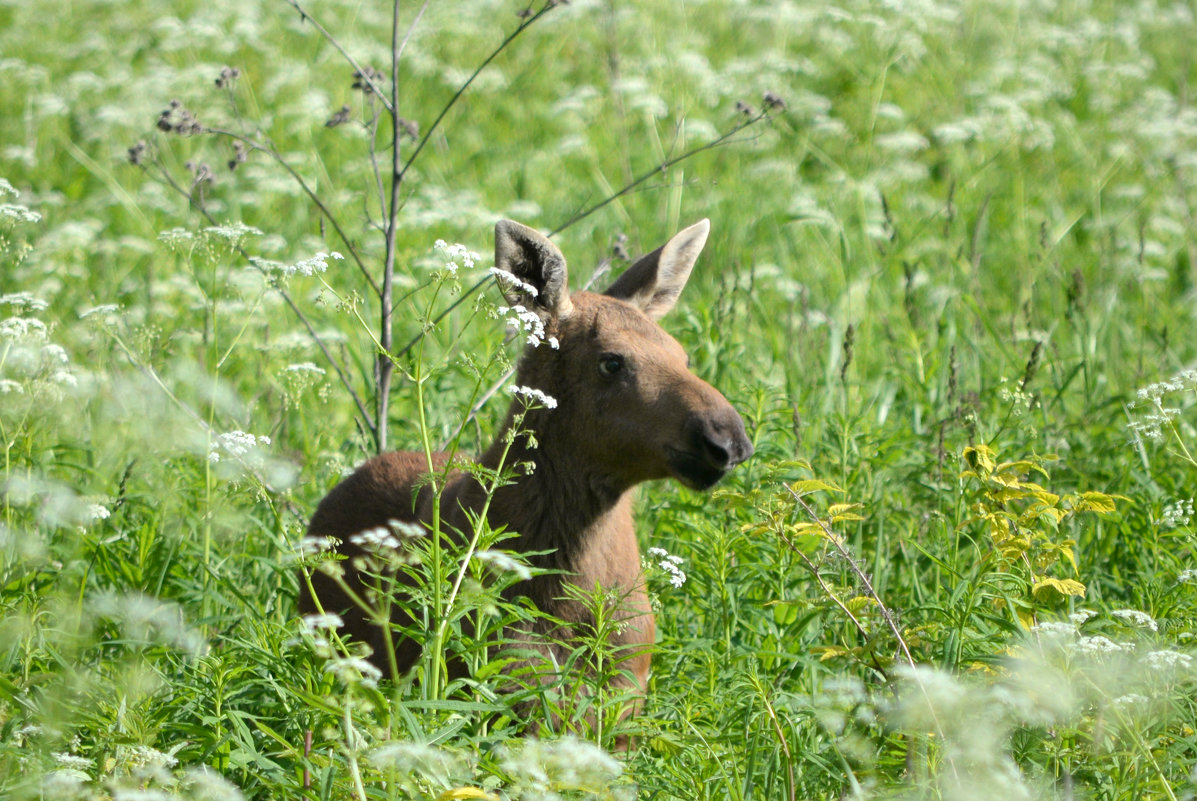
<point>610,364</point>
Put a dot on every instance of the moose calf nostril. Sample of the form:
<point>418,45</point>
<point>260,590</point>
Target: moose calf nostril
<point>716,453</point>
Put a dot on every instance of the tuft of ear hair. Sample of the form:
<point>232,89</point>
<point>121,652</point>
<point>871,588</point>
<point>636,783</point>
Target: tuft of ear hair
<point>656,280</point>
<point>541,280</point>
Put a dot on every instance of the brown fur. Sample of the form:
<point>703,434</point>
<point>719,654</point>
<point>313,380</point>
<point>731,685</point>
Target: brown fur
<point>652,419</point>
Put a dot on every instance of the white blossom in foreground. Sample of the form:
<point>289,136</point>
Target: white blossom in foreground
<point>504,562</point>
<point>529,323</point>
<point>236,444</point>
<point>456,256</point>
<point>1133,617</point>
<point>354,670</point>
<point>670,564</point>
<point>328,620</point>
<point>535,395</point>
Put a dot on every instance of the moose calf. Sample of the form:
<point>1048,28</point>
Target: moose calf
<point>628,411</point>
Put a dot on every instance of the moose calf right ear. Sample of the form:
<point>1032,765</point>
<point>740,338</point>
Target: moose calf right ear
<point>537,266</point>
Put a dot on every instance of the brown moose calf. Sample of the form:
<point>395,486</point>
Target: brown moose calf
<point>628,410</point>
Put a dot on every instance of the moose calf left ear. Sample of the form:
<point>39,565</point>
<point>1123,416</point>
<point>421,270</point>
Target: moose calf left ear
<point>541,280</point>
<point>654,282</point>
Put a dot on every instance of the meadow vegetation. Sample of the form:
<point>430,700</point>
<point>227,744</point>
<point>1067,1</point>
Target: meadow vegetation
<point>949,286</point>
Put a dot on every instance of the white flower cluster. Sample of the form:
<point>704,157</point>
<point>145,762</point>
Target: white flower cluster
<point>354,670</point>
<point>237,444</point>
<point>387,538</point>
<point>303,368</point>
<point>670,564</point>
<point>232,232</point>
<point>1098,644</point>
<point>24,301</point>
<point>1177,514</point>
<point>535,395</point>
<point>1133,617</point>
<point>316,264</point>
<point>18,213</point>
<point>509,281</point>
<point>316,623</point>
<point>526,321</point>
<point>505,562</point>
<point>1157,416</point>
<point>456,256</point>
<point>1054,628</point>
<point>1168,660</point>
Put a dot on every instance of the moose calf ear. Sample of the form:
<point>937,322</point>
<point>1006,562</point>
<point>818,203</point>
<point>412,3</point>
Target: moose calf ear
<point>654,282</point>
<point>537,267</point>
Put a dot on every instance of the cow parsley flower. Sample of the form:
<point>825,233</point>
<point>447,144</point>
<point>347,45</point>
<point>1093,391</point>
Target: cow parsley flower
<point>316,623</point>
<point>236,444</point>
<point>24,301</point>
<point>1168,660</point>
<point>670,564</point>
<point>316,264</point>
<point>505,562</point>
<point>535,396</point>
<point>456,256</point>
<point>1133,617</point>
<point>526,321</point>
<point>1177,514</point>
<point>509,281</point>
<point>354,670</point>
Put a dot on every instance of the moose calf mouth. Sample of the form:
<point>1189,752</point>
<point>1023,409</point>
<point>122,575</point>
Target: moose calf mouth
<point>694,471</point>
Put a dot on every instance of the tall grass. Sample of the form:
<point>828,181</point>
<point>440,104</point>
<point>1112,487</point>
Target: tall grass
<point>949,286</point>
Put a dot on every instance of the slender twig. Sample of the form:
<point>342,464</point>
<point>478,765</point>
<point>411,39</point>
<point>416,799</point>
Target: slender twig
<point>511,37</point>
<point>861,575</point>
<point>662,167</point>
<point>362,72</point>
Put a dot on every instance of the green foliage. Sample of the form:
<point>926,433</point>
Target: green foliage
<point>969,232</point>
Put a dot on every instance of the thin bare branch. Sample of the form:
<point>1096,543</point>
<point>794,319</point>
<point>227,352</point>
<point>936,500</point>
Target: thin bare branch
<point>332,40</point>
<point>523,26</point>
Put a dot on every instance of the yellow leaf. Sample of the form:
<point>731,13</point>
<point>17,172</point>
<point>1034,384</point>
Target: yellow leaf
<point>809,485</point>
<point>841,508</point>
<point>458,793</point>
<point>1044,589</point>
<point>980,458</point>
<point>1095,502</point>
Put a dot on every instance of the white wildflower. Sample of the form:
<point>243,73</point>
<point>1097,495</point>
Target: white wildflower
<point>8,386</point>
<point>535,396</point>
<point>7,189</point>
<point>175,237</point>
<point>509,281</point>
<point>96,511</point>
<point>1133,617</point>
<point>328,620</point>
<point>303,368</point>
<point>19,213</point>
<point>354,670</point>
<point>375,539</point>
<point>505,562</point>
<point>237,444</point>
<point>1187,575</point>
<point>523,320</point>
<point>1055,628</point>
<point>232,232</point>
<point>313,546</point>
<point>204,784</point>
<point>103,310</point>
<point>18,328</point>
<point>73,762</point>
<point>1098,645</point>
<point>316,264</point>
<point>24,301</point>
<point>1131,699</point>
<point>1081,616</point>
<point>670,564</point>
<point>1177,514</point>
<point>456,256</point>
<point>1167,660</point>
